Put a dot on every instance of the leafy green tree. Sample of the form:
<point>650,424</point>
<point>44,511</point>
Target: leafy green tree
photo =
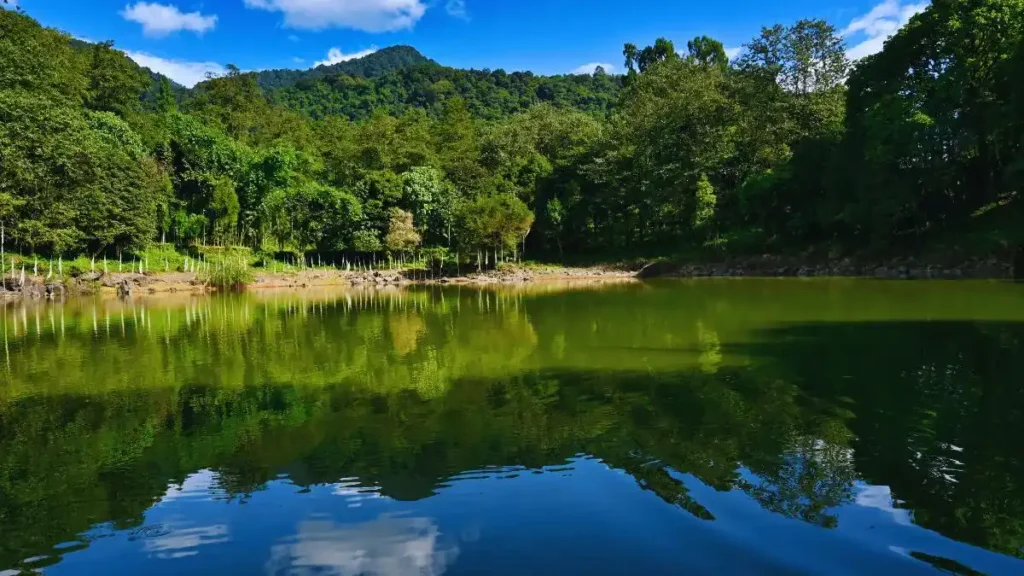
<point>455,136</point>
<point>402,235</point>
<point>425,193</point>
<point>927,143</point>
<point>115,83</point>
<point>367,240</point>
<point>81,181</point>
<point>165,101</point>
<point>322,217</point>
<point>704,203</point>
<point>495,223</point>
<point>223,209</point>
<point>39,60</point>
<point>707,51</point>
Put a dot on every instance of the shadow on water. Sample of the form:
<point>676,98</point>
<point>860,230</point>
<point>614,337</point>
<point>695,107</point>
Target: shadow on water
<point>939,413</point>
<point>870,430</point>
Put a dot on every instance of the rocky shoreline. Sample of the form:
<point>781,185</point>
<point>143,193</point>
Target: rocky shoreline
<point>779,267</point>
<point>132,284</point>
<point>129,284</point>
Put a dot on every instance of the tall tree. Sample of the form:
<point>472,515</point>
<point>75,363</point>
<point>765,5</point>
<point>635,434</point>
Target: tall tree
<point>115,83</point>
<point>707,51</point>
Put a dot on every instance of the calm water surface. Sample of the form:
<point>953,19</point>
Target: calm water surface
<point>735,426</point>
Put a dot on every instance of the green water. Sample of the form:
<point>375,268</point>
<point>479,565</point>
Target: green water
<point>733,426</point>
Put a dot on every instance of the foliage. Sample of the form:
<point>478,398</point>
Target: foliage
<point>376,64</point>
<point>489,94</point>
<point>496,222</point>
<point>402,235</point>
<point>785,147</point>
<point>229,273</point>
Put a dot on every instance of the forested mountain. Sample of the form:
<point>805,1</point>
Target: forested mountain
<point>399,78</point>
<point>490,95</point>
<point>369,66</point>
<point>789,147</point>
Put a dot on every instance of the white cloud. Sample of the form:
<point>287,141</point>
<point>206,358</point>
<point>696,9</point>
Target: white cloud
<point>298,60</point>
<point>293,38</point>
<point>365,15</point>
<point>10,4</point>
<point>590,68</point>
<point>875,27</point>
<point>336,56</point>
<point>457,8</point>
<point>187,74</point>
<point>159,20</point>
<point>732,53</point>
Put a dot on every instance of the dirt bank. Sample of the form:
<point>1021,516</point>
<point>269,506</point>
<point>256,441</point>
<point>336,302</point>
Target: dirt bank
<point>133,284</point>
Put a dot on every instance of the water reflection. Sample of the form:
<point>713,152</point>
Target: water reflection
<point>386,546</point>
<point>683,426</point>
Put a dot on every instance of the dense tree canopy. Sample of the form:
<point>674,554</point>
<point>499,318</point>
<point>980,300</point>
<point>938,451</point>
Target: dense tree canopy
<point>789,145</point>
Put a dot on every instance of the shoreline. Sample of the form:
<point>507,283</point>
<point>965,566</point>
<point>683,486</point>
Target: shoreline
<point>768,266</point>
<point>132,283</point>
<point>115,284</point>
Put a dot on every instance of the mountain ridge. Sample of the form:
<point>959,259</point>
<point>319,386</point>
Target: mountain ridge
<point>370,66</point>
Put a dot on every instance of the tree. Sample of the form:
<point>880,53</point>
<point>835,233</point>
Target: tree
<point>675,125</point>
<point>814,57</point>
<point>39,61</point>
<point>704,203</point>
<point>80,181</point>
<point>455,136</point>
<point>165,101</point>
<point>640,61</point>
<point>322,217</point>
<point>497,222</point>
<point>707,51</point>
<point>927,143</point>
<point>431,199</point>
<point>115,83</point>
<point>224,209</point>
<point>232,103</point>
<point>402,235</point>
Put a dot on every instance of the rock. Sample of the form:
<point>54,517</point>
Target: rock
<point>91,276</point>
<point>124,288</point>
<point>662,268</point>
<point>31,289</point>
<point>881,272</point>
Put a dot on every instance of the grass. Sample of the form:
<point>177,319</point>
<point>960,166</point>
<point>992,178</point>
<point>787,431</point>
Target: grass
<point>227,273</point>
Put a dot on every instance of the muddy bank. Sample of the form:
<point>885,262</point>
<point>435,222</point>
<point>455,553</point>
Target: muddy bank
<point>781,267</point>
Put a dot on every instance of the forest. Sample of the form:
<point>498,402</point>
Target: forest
<point>788,147</point>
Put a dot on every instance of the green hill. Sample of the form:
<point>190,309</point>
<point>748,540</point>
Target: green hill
<point>369,66</point>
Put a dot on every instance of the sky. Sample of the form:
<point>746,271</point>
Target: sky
<point>185,39</point>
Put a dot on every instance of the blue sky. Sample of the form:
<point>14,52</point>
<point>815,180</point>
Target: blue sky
<point>186,38</point>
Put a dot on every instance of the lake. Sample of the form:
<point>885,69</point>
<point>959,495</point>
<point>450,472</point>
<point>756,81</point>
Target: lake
<point>711,426</point>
